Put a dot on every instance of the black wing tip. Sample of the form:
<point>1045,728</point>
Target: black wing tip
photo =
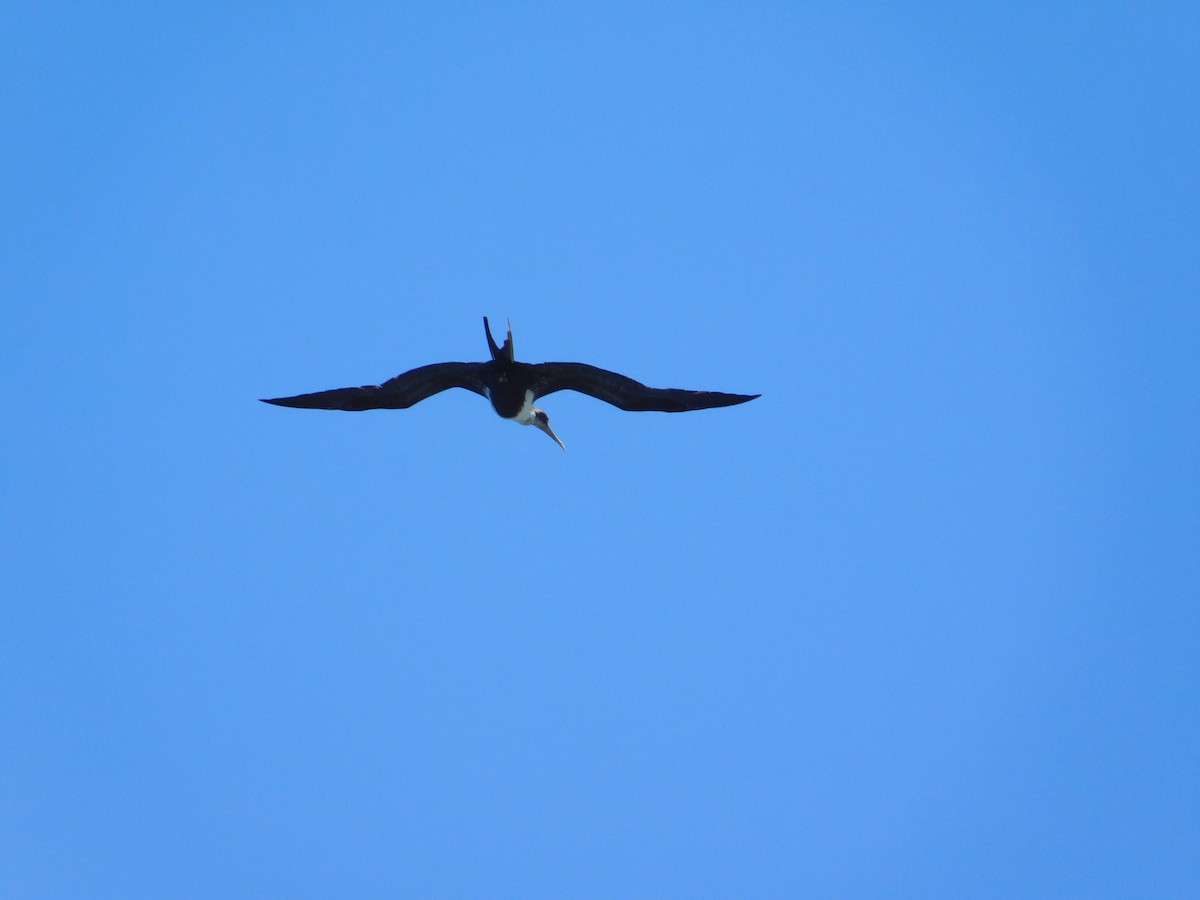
<point>720,399</point>
<point>689,401</point>
<point>300,401</point>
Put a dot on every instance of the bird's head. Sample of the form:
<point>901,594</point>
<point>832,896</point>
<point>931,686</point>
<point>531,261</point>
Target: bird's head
<point>539,419</point>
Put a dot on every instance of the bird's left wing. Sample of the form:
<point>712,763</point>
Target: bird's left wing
<point>623,392</point>
<point>400,392</point>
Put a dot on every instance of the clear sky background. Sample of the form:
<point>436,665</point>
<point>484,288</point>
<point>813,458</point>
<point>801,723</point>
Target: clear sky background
<point>921,621</point>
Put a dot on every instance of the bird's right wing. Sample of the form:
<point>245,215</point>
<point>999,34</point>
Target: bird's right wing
<point>400,392</point>
<point>623,392</point>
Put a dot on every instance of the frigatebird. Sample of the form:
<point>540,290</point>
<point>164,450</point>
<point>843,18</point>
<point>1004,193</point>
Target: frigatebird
<point>512,387</point>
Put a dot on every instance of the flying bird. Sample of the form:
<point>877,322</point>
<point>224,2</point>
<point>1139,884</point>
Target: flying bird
<point>513,388</point>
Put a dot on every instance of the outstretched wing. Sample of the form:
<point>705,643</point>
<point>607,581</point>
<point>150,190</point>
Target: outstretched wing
<point>400,392</point>
<point>623,392</point>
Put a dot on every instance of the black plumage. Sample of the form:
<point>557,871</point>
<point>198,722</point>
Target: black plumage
<point>513,388</point>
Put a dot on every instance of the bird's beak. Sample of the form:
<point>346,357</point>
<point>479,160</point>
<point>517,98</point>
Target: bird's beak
<point>545,426</point>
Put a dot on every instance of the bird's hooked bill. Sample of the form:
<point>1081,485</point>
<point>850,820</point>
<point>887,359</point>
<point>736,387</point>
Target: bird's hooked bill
<point>544,424</point>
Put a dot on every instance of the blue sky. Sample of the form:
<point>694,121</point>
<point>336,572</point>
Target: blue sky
<point>921,621</point>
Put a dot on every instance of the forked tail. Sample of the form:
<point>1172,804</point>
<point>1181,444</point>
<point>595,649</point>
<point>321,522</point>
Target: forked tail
<point>501,354</point>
